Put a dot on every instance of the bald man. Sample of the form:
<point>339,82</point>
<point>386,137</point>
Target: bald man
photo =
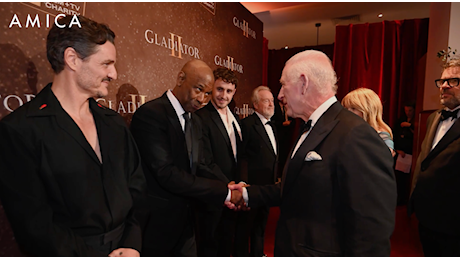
<point>337,196</point>
<point>170,143</point>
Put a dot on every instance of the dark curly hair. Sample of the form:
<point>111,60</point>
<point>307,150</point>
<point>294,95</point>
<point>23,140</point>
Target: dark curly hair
<point>226,75</point>
<point>84,40</point>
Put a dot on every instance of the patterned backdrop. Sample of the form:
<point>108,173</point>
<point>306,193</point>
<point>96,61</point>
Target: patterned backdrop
<point>153,40</point>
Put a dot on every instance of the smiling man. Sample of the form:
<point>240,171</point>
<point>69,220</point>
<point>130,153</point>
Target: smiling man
<point>223,140</point>
<point>261,152</point>
<point>69,168</point>
<point>170,140</point>
<point>435,192</point>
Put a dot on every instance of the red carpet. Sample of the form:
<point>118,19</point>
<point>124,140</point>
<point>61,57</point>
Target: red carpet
<point>404,242</point>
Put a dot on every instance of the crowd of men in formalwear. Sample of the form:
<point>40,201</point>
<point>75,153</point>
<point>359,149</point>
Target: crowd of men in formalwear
<point>190,178</point>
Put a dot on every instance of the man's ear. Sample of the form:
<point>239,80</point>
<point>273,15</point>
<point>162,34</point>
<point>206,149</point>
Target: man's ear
<point>304,83</point>
<point>180,78</point>
<point>71,58</point>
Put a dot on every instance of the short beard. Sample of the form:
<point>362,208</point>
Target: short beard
<point>451,103</point>
<point>268,115</point>
<point>99,94</point>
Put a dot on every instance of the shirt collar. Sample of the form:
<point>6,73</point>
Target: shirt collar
<point>175,103</point>
<point>321,109</point>
<point>448,109</point>
<point>263,119</point>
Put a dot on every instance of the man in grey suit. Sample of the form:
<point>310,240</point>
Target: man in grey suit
<point>337,196</point>
<point>435,192</point>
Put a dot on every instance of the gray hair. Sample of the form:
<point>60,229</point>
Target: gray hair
<point>316,66</point>
<point>255,93</point>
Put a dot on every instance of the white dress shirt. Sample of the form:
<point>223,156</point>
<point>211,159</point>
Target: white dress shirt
<point>177,108</point>
<point>314,118</point>
<point>443,127</point>
<point>180,112</point>
<point>268,129</point>
<point>228,121</point>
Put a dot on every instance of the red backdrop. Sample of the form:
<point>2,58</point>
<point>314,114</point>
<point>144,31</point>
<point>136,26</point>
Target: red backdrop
<point>383,57</point>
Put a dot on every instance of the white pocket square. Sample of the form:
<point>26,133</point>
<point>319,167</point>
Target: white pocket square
<point>313,156</point>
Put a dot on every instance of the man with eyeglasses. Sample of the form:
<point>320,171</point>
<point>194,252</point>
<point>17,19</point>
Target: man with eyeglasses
<point>435,187</point>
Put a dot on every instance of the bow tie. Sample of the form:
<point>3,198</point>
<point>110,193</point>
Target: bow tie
<point>446,114</point>
<point>306,127</point>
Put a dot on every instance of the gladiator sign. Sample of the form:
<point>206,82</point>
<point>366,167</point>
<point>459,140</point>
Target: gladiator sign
<point>174,43</point>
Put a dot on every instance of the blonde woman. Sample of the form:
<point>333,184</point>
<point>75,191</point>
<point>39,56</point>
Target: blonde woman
<point>366,104</point>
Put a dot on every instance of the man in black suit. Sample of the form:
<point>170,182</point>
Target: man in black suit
<point>261,152</point>
<point>69,168</point>
<point>223,141</point>
<point>337,196</point>
<point>170,141</point>
<point>435,192</point>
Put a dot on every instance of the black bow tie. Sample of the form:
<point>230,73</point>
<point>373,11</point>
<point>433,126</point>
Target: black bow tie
<point>447,114</point>
<point>306,127</point>
<point>270,123</point>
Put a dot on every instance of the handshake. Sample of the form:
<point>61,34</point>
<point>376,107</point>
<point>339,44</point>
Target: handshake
<point>237,201</point>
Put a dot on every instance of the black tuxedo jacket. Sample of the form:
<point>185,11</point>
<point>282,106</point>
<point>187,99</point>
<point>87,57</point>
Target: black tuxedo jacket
<point>170,181</point>
<point>343,203</point>
<point>435,192</point>
<point>55,191</point>
<point>262,161</point>
<point>218,147</point>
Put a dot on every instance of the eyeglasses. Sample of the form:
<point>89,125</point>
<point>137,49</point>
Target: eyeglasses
<point>452,82</point>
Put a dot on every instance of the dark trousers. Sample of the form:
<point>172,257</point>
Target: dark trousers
<point>181,245</point>
<point>257,221</point>
<point>215,231</point>
<point>436,244</point>
<point>251,227</point>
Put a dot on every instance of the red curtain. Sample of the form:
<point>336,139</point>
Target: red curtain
<point>277,59</point>
<point>383,57</point>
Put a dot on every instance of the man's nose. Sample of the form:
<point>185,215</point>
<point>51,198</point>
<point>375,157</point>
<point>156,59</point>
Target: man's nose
<point>281,94</point>
<point>113,73</point>
<point>201,97</point>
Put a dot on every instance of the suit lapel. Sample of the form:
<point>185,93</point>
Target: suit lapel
<point>172,117</point>
<point>260,129</point>
<point>448,138</point>
<point>217,120</point>
<point>431,134</point>
<point>106,130</point>
<point>46,104</point>
<point>196,132</point>
<point>174,120</point>
<point>320,130</point>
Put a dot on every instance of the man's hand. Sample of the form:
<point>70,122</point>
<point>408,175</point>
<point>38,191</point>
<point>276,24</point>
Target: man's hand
<point>403,154</point>
<point>239,186</point>
<point>237,200</point>
<point>124,252</point>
